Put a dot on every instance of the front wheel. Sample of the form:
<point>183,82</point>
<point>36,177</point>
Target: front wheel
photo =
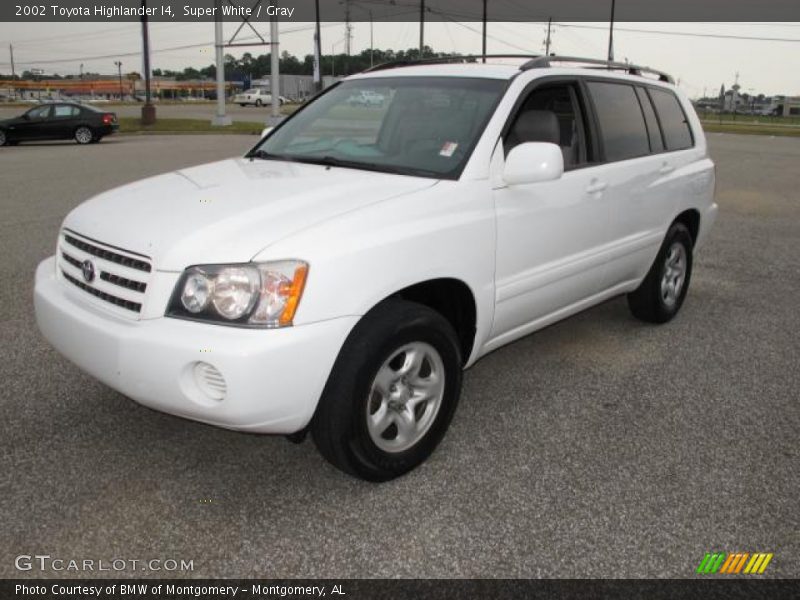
<point>3,138</point>
<point>391,394</point>
<point>84,135</point>
<point>258,103</point>
<point>660,296</point>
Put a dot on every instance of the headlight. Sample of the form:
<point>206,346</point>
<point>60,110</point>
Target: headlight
<point>248,295</point>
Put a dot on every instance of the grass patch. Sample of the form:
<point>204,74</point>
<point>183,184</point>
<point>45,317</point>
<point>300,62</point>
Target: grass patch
<point>751,129</point>
<point>132,125</point>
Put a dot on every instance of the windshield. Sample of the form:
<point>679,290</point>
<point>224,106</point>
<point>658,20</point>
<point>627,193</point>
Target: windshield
<point>410,125</point>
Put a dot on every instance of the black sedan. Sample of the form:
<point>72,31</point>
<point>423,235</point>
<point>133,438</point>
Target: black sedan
<point>59,121</point>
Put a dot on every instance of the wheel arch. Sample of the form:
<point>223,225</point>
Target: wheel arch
<point>691,219</point>
<point>453,299</point>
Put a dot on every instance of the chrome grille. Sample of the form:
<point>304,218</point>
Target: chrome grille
<point>112,276</point>
<point>121,259</point>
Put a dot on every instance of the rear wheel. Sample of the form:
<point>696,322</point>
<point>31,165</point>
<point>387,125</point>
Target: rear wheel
<point>391,394</point>
<point>3,138</point>
<point>660,296</point>
<point>258,103</point>
<point>83,135</point>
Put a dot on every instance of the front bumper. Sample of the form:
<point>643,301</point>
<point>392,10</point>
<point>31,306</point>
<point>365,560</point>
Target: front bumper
<point>272,378</point>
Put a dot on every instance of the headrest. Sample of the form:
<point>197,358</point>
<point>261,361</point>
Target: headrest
<point>537,126</point>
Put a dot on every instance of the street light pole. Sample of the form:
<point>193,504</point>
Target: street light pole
<point>148,110</point>
<point>484,29</point>
<point>220,119</point>
<point>421,27</point>
<point>611,32</point>
<point>317,54</point>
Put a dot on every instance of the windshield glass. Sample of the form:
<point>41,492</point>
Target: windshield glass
<point>410,125</point>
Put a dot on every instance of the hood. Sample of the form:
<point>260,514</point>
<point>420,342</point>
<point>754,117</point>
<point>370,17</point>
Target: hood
<point>227,212</point>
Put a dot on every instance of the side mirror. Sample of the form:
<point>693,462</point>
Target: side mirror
<point>266,131</point>
<point>533,162</point>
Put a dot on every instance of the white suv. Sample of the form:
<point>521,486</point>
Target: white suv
<point>339,277</point>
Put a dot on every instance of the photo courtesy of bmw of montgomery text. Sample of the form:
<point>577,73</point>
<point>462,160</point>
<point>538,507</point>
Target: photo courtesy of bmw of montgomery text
<point>339,277</point>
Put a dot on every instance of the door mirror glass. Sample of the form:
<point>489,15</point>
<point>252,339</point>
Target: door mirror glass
<point>533,162</point>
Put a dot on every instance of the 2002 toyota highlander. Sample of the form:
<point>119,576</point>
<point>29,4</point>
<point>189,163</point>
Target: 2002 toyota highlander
<point>339,277</point>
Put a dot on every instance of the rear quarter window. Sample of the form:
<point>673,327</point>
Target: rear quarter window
<point>619,115</point>
<point>674,123</point>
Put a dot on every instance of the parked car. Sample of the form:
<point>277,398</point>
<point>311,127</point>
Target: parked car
<point>59,121</point>
<point>339,277</point>
<point>255,96</point>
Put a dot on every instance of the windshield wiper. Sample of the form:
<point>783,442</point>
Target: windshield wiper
<point>264,155</point>
<point>332,161</point>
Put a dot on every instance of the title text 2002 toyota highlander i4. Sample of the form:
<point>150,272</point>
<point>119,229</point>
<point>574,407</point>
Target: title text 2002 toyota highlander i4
<point>339,277</point>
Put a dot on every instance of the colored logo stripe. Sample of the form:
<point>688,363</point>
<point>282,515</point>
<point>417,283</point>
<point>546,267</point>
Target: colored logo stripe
<point>733,563</point>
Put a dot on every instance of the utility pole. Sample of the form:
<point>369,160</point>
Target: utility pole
<point>119,68</point>
<point>317,55</point>
<point>611,32</point>
<point>348,28</point>
<point>13,70</point>
<point>274,72</point>
<point>549,38</point>
<point>148,110</point>
<point>421,27</point>
<point>484,29</point>
<point>371,40</point>
<point>220,119</point>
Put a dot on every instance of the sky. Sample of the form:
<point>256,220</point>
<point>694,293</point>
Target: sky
<point>701,63</point>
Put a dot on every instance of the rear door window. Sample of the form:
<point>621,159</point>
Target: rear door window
<point>619,115</point>
<point>677,133</point>
<point>650,119</point>
<point>65,112</point>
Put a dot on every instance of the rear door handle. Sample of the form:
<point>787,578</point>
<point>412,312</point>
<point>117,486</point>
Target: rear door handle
<point>595,187</point>
<point>666,169</point>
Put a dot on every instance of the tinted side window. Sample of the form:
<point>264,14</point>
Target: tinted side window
<point>650,119</point>
<point>677,134</point>
<point>40,113</point>
<point>622,127</point>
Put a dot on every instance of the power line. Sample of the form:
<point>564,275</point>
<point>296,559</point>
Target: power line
<point>684,33</point>
<point>137,53</point>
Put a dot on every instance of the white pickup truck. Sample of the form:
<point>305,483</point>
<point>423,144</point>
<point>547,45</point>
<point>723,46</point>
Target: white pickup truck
<point>340,276</point>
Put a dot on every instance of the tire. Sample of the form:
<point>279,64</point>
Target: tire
<point>258,103</point>
<point>3,138</point>
<point>367,381</point>
<point>83,135</point>
<point>660,296</point>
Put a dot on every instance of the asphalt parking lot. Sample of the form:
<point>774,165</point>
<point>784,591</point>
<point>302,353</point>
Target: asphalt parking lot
<point>599,447</point>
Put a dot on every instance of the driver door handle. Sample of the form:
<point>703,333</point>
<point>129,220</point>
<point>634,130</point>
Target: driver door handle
<point>595,187</point>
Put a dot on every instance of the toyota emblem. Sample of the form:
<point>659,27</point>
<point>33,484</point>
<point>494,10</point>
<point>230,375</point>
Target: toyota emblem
<point>87,268</point>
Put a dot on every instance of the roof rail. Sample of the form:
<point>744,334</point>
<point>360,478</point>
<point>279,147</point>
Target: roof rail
<point>541,62</point>
<point>445,60</point>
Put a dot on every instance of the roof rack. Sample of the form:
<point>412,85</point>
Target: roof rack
<point>466,58</point>
<point>533,61</point>
<point>541,62</point>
